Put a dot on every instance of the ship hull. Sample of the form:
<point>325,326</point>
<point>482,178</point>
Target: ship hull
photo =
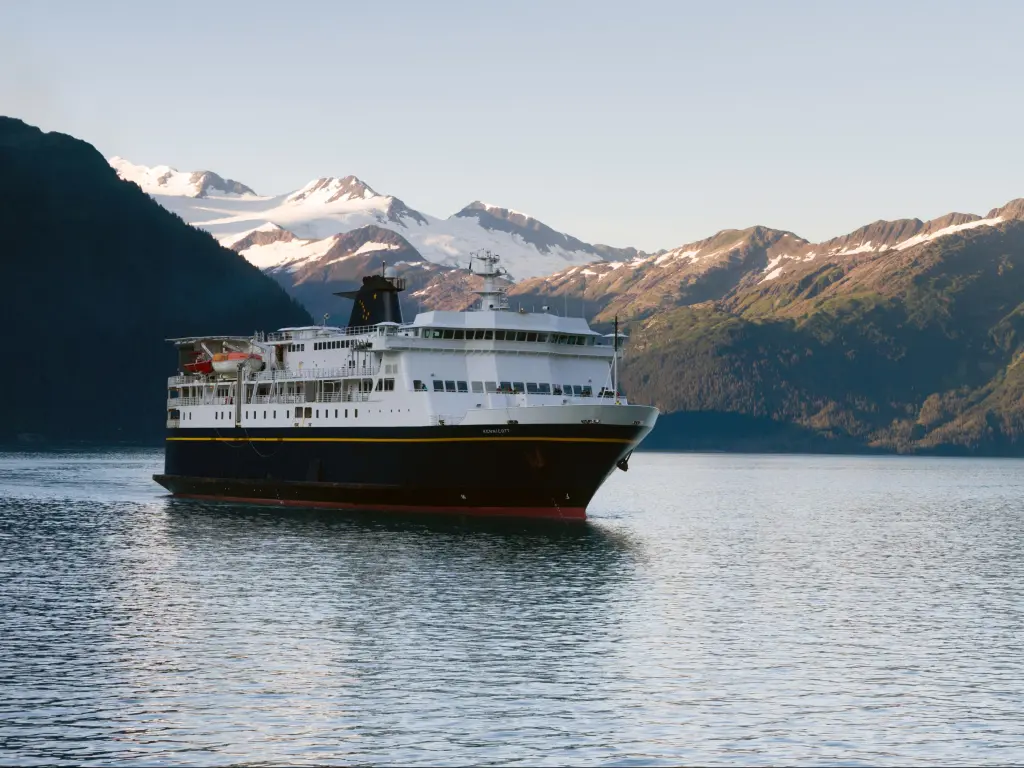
<point>524,471</point>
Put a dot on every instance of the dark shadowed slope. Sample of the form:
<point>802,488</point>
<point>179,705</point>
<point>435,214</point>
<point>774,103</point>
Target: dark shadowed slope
<point>96,275</point>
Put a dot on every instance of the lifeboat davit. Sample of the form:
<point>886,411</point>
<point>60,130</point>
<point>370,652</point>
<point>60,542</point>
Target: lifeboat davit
<point>227,363</point>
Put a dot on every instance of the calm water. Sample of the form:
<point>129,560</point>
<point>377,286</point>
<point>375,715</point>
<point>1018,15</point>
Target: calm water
<point>751,609</point>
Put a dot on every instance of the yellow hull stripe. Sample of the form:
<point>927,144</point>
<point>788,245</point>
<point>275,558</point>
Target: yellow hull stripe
<point>402,439</point>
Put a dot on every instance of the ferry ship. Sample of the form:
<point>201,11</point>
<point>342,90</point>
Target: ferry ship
<point>489,411</point>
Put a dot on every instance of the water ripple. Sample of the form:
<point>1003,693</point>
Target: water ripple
<point>746,609</point>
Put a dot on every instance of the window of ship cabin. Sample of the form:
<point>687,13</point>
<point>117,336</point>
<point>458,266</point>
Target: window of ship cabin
<point>532,388</point>
<point>478,387</point>
<point>449,386</point>
<point>335,413</point>
<point>531,337</point>
<point>499,335</point>
<point>309,413</point>
<point>490,386</point>
<point>577,390</point>
<point>379,385</point>
<point>389,385</point>
<point>521,336</point>
<point>438,385</point>
<point>463,387</point>
<point>505,387</point>
<point>287,411</point>
<point>518,388</point>
<point>275,414</point>
<point>587,391</point>
<point>264,414</point>
<point>357,413</point>
<point>488,335</point>
<point>542,337</point>
<point>557,390</point>
<point>416,385</point>
<point>447,333</point>
<point>545,388</point>
<point>460,335</point>
<point>346,413</point>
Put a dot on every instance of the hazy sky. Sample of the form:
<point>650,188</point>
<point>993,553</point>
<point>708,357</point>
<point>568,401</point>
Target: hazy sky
<point>629,123</point>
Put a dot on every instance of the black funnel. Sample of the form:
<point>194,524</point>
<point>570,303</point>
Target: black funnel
<point>376,302</point>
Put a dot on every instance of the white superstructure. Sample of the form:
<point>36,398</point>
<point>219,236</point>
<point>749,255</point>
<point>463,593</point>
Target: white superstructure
<point>488,366</point>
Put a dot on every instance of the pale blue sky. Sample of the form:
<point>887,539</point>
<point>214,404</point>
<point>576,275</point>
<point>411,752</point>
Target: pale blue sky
<point>629,123</point>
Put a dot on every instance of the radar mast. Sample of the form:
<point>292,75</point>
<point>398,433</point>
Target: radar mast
<point>492,296</point>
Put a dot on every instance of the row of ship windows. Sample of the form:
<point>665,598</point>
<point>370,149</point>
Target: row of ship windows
<point>225,415</point>
<point>296,347</point>
<point>506,387</point>
<point>554,338</point>
<point>343,344</point>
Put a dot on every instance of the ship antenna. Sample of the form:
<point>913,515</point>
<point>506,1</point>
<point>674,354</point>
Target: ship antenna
<point>615,362</point>
<point>326,315</point>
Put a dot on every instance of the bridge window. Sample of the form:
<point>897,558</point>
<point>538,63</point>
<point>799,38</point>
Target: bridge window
<point>545,389</point>
<point>478,387</point>
<point>542,337</point>
<point>449,386</point>
<point>505,387</point>
<point>531,337</point>
<point>461,335</point>
<point>488,335</point>
<point>463,387</point>
<point>499,335</point>
<point>521,336</point>
<point>532,388</point>
<point>587,391</point>
<point>518,388</point>
<point>577,390</point>
<point>447,333</point>
<point>490,386</point>
<point>438,385</point>
<point>557,390</point>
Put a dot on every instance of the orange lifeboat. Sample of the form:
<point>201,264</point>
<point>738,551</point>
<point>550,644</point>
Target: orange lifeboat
<point>227,363</point>
<point>202,364</point>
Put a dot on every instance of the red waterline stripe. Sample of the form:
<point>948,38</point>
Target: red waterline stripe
<point>536,513</point>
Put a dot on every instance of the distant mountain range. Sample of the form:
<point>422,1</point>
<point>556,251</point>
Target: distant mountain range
<point>902,335</point>
<point>296,228</point>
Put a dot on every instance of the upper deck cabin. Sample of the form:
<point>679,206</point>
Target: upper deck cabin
<point>451,355</point>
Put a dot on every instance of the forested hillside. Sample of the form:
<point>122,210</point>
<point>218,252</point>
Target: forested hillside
<point>96,276</point>
<point>907,350</point>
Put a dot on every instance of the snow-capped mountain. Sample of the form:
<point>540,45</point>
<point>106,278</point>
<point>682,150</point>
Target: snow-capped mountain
<point>164,180</point>
<point>736,260</point>
<point>329,206</point>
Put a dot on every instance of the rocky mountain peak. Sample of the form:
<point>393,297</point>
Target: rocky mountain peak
<point>329,189</point>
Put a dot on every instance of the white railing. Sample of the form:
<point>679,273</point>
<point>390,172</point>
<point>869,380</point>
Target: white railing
<point>174,402</point>
<point>344,397</point>
<point>329,331</point>
<point>280,374</point>
<point>283,374</point>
